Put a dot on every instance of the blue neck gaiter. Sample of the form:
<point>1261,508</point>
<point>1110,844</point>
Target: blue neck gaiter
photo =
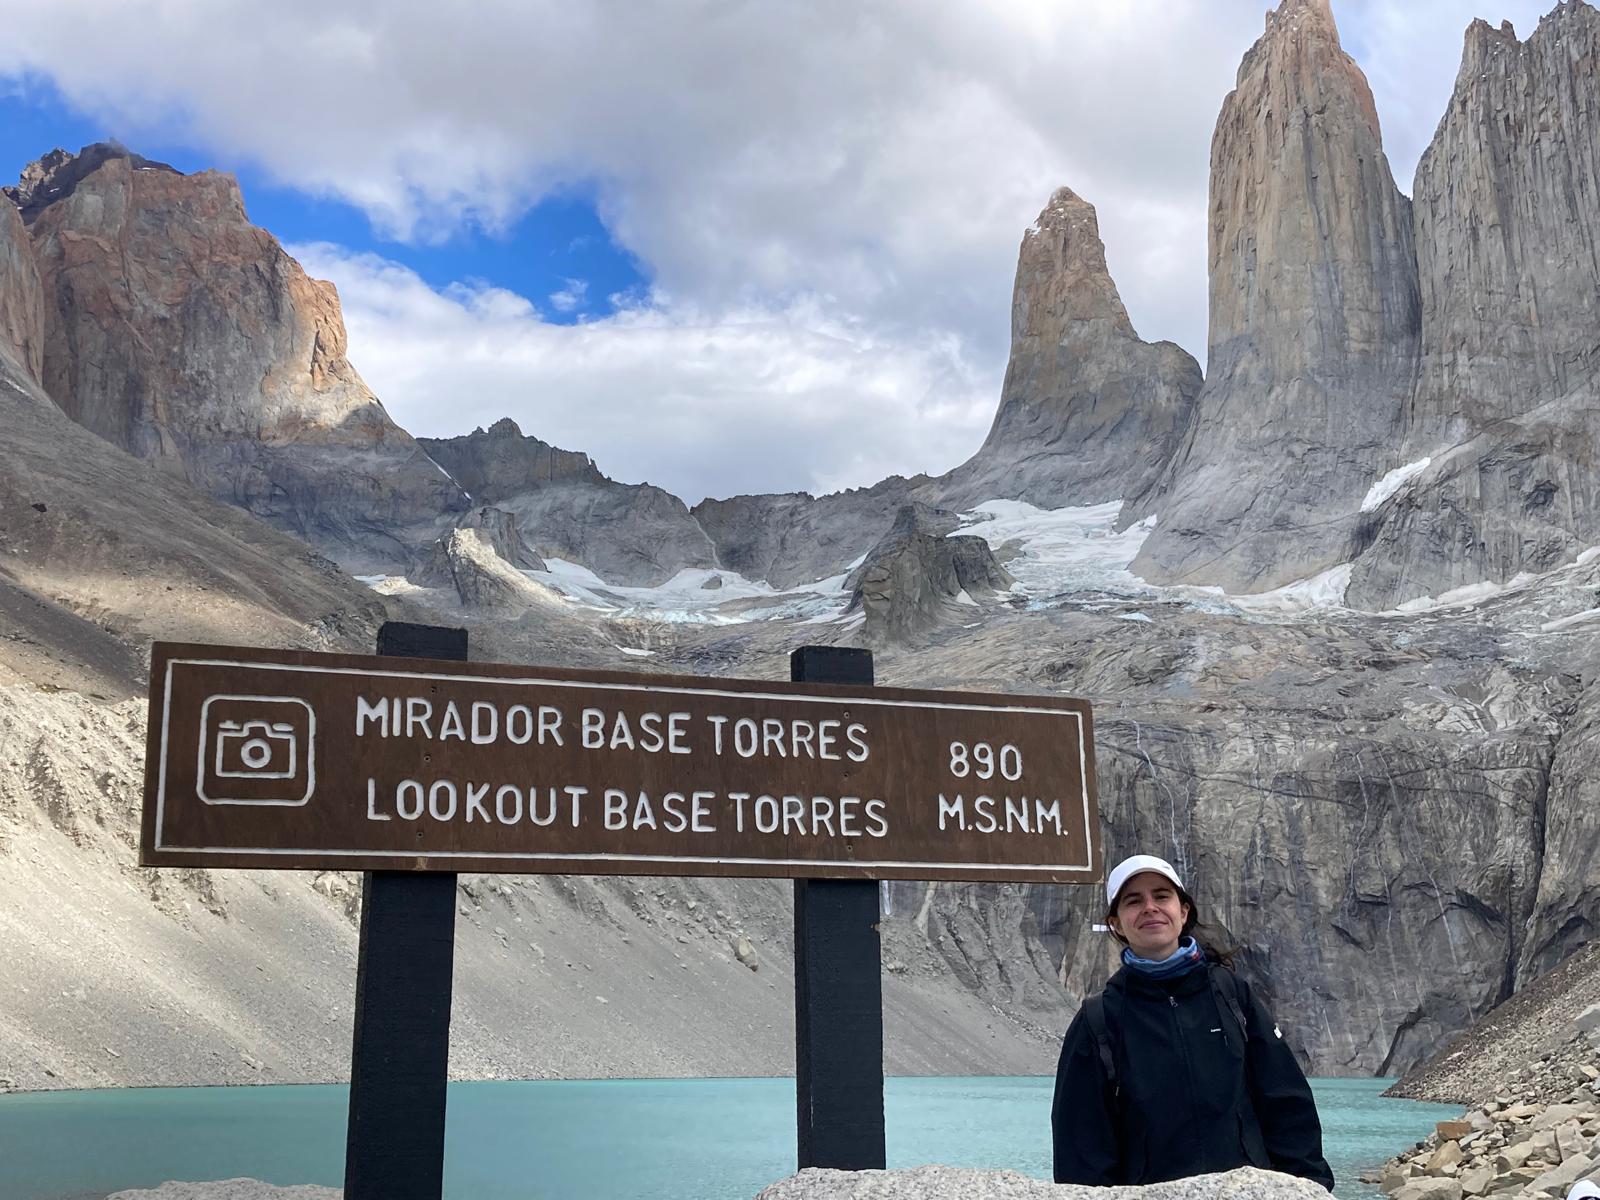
<point>1181,961</point>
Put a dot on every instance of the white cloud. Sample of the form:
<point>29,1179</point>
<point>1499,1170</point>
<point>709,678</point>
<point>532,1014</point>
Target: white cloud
<point>755,400</point>
<point>571,297</point>
<point>861,167</point>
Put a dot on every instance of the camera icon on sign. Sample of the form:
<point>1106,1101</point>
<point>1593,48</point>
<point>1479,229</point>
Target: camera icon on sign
<point>256,750</point>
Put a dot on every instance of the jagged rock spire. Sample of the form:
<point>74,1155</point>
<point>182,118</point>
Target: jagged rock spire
<point>1088,412</point>
<point>1507,200</point>
<point>1314,321</point>
<point>1507,400</point>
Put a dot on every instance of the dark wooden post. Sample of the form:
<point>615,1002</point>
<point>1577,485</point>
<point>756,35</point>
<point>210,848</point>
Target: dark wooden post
<point>838,987</point>
<point>399,1062</point>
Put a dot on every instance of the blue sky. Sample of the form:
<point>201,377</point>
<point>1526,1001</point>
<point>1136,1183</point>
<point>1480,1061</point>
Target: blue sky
<point>559,247</point>
<point>721,246</point>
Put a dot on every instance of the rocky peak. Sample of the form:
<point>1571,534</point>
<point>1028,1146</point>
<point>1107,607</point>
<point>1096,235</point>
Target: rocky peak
<point>54,176</point>
<point>1302,36</point>
<point>502,461</point>
<point>1507,200</point>
<point>1507,396</point>
<point>180,332</point>
<point>1088,412</point>
<point>1314,322</point>
<point>1063,250</point>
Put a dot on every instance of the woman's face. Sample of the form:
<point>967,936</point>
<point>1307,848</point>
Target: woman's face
<point>1150,915</point>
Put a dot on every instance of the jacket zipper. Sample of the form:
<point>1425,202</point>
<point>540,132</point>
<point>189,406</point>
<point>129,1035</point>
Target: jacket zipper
<point>1183,1046</point>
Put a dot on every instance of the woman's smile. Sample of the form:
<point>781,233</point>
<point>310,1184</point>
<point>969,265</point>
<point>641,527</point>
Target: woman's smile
<point>1150,915</point>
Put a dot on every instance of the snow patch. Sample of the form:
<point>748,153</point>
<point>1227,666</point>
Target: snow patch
<point>1467,595</point>
<point>695,595</point>
<point>1323,590</point>
<point>1393,482</point>
<point>1135,616</point>
<point>1061,549</point>
<point>1587,614</point>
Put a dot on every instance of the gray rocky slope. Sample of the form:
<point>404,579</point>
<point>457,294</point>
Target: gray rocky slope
<point>625,533</point>
<point>1392,814</point>
<point>1507,397</point>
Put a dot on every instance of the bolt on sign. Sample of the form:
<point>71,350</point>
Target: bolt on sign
<point>280,758</point>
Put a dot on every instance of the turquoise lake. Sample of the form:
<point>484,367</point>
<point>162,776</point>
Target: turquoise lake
<point>668,1139</point>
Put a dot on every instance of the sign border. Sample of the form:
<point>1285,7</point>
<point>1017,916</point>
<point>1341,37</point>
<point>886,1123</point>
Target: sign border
<point>166,656</point>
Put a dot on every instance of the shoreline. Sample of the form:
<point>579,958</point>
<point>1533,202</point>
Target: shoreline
<point>244,1085</point>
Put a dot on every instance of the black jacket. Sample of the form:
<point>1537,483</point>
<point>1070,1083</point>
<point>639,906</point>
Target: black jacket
<point>1191,1098</point>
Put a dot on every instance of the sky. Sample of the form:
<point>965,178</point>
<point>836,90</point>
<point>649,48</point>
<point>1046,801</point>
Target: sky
<point>722,246</point>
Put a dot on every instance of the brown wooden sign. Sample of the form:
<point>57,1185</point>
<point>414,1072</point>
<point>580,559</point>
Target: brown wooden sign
<point>279,758</point>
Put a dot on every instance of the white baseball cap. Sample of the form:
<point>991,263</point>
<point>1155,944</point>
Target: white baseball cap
<point>1129,867</point>
<point>1584,1189</point>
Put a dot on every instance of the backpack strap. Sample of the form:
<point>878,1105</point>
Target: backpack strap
<point>1226,990</point>
<point>1094,1011</point>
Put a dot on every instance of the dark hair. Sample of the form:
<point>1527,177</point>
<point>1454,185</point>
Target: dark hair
<point>1213,940</point>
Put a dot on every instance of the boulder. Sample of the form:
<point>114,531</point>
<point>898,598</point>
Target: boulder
<point>1446,1158</point>
<point>229,1189</point>
<point>1554,1115</point>
<point>1559,1178</point>
<point>1572,1141</point>
<point>1588,1023</point>
<point>1430,1189</point>
<point>916,578</point>
<point>961,1183</point>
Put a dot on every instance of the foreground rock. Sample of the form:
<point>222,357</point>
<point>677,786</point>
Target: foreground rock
<point>1535,1139</point>
<point>961,1183</point>
<point>229,1189</point>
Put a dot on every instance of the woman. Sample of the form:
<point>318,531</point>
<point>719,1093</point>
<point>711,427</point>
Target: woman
<point>1176,1069</point>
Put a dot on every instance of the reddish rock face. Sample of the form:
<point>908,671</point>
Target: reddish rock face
<point>21,297</point>
<point>180,332</point>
